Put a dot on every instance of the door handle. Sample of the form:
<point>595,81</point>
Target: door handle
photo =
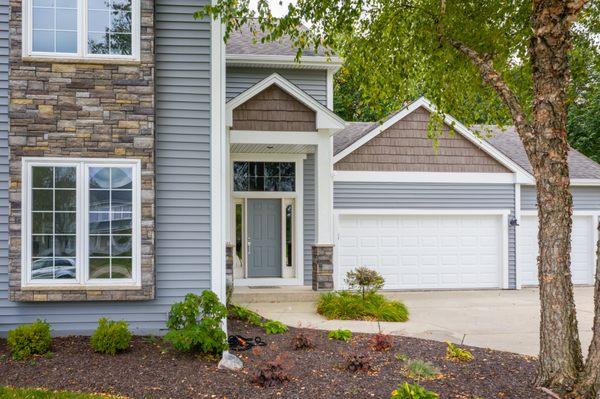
<point>249,246</point>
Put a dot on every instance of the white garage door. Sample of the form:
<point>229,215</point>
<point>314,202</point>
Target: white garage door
<point>423,251</point>
<point>582,250</point>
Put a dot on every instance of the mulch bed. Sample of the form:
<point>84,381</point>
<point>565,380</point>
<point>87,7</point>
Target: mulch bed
<point>150,369</point>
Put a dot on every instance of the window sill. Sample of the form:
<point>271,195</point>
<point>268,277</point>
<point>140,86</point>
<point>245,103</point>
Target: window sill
<point>79,60</point>
<point>80,287</point>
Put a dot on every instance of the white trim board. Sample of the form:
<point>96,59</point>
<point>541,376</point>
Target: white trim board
<point>423,177</point>
<point>289,61</point>
<point>522,176</point>
<point>325,119</point>
<point>273,137</point>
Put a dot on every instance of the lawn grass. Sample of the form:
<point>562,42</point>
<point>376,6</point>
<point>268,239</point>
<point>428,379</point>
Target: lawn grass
<point>26,393</point>
<point>347,305</point>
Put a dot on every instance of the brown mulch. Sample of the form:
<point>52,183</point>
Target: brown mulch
<point>150,369</point>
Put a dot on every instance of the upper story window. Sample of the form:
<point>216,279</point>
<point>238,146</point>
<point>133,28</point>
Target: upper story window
<point>81,222</point>
<point>82,28</point>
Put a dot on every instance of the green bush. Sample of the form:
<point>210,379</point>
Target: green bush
<point>340,335</point>
<point>418,369</point>
<point>245,314</point>
<point>457,354</point>
<point>364,280</point>
<point>415,391</point>
<point>30,339</point>
<point>195,324</point>
<point>275,327</point>
<point>111,337</point>
<point>345,305</point>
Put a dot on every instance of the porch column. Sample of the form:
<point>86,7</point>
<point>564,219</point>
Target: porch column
<point>324,201</point>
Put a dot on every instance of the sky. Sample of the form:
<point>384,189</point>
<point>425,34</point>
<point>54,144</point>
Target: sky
<point>277,9</point>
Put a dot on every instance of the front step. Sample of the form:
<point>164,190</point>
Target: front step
<point>275,294</point>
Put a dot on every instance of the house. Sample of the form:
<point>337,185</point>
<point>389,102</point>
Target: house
<point>143,159</point>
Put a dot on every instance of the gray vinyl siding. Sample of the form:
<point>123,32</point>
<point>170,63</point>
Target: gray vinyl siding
<point>182,179</point>
<point>3,158</point>
<point>584,198</point>
<point>309,215</point>
<point>313,82</point>
<point>362,195</point>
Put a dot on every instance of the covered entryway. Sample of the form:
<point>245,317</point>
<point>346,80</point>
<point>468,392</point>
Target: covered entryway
<point>582,249</point>
<point>425,251</point>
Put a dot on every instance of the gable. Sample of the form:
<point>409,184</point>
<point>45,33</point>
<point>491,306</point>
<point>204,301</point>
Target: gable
<point>273,109</point>
<point>404,147</point>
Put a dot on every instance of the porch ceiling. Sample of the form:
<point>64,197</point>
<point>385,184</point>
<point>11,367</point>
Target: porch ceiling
<point>273,148</point>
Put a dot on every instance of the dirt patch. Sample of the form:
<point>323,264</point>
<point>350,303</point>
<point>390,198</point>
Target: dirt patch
<point>151,369</point>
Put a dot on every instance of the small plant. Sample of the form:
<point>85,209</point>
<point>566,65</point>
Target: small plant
<point>358,362</point>
<point>111,337</point>
<point>302,341</point>
<point>381,342</point>
<point>346,305</point>
<point>245,314</point>
<point>364,280</point>
<point>340,335</point>
<point>414,391</point>
<point>275,327</point>
<point>29,340</point>
<point>458,354</point>
<point>271,374</point>
<point>195,324</point>
<point>418,369</point>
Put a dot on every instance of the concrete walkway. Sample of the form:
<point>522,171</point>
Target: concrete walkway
<point>501,320</point>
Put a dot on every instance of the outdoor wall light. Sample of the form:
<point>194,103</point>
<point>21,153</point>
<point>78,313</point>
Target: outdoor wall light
<point>512,221</point>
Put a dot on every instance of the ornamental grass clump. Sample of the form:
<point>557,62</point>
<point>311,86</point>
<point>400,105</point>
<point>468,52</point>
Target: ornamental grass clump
<point>111,337</point>
<point>195,324</point>
<point>362,302</point>
<point>30,340</point>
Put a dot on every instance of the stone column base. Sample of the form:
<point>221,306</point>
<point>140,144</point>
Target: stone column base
<point>322,267</point>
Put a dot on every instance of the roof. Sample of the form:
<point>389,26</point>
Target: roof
<point>350,134</point>
<point>244,42</point>
<point>506,140</point>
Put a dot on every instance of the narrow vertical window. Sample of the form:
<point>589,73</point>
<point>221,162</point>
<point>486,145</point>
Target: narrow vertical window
<point>53,223</point>
<point>239,232</point>
<point>289,224</point>
<point>110,223</point>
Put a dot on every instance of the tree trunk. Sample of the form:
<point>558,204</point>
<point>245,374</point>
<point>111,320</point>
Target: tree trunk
<point>589,383</point>
<point>560,358</point>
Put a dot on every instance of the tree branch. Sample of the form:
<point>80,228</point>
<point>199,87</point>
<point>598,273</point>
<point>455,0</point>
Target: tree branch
<point>493,78</point>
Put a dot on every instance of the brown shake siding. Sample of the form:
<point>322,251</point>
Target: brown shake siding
<point>81,110</point>
<point>274,110</point>
<point>405,147</point>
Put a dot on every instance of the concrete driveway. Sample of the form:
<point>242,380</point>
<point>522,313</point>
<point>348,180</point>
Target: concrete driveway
<point>501,320</point>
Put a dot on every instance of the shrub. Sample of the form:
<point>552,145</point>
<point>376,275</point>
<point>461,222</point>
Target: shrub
<point>271,374</point>
<point>418,369</point>
<point>275,327</point>
<point>364,280</point>
<point>414,391</point>
<point>110,337</point>
<point>456,353</point>
<point>302,341</point>
<point>30,339</point>
<point>381,342</point>
<point>245,314</point>
<point>358,362</point>
<point>344,305</point>
<point>195,324</point>
<point>340,335</point>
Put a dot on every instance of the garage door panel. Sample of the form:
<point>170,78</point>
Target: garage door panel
<point>582,250</point>
<point>424,251</point>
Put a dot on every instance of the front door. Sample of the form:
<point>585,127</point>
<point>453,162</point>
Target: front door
<point>264,238</point>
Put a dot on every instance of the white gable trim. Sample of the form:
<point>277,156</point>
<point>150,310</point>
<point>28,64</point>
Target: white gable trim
<point>522,176</point>
<point>325,119</point>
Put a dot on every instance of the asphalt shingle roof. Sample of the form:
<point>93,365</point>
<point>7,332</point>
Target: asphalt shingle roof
<point>245,42</point>
<point>350,134</point>
<point>508,142</point>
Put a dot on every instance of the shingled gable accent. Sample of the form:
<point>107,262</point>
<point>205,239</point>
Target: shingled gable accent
<point>405,147</point>
<point>274,110</point>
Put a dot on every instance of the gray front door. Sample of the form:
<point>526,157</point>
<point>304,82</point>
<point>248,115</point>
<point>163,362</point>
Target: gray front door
<point>264,238</point>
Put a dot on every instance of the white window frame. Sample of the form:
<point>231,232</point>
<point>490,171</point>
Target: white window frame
<point>82,35</point>
<point>82,279</point>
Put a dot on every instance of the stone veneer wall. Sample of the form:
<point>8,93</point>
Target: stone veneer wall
<point>81,110</point>
<point>322,263</point>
